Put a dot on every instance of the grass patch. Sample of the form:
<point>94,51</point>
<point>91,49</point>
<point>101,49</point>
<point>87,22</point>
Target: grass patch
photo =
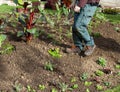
<point>4,8</point>
<point>113,18</point>
<point>116,89</point>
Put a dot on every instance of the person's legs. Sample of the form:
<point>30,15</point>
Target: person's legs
<point>80,25</point>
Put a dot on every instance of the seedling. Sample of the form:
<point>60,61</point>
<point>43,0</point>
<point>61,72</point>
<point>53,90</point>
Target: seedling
<point>74,86</point>
<point>101,61</point>
<point>29,88</point>
<point>87,83</point>
<point>117,66</point>
<point>7,48</point>
<point>73,79</point>
<point>17,87</point>
<point>84,76</point>
<point>64,87</point>
<point>55,53</point>
<point>99,73</point>
<point>2,39</point>
<point>107,83</point>
<point>87,90</point>
<point>54,90</point>
<point>99,87</point>
<point>42,87</point>
<point>49,66</point>
<point>97,34</point>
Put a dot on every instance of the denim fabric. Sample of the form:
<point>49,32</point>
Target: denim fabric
<point>81,21</point>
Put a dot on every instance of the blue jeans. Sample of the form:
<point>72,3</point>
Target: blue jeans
<point>79,29</point>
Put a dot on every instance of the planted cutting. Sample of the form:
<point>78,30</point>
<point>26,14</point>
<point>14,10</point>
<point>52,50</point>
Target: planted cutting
<point>101,61</point>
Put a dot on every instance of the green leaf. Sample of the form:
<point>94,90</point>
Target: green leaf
<point>74,86</point>
<point>6,49</point>
<point>99,87</point>
<point>54,90</point>
<point>2,38</point>
<point>18,2</point>
<point>101,61</point>
<point>20,33</point>
<point>87,90</point>
<point>88,83</point>
<point>99,73</point>
<point>41,87</point>
<point>32,31</point>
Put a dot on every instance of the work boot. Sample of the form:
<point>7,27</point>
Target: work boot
<point>89,50</point>
<point>73,49</point>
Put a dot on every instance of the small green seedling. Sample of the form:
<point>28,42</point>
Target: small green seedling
<point>64,87</point>
<point>42,87</point>
<point>117,66</point>
<point>87,90</point>
<point>73,79</point>
<point>7,49</point>
<point>49,66</point>
<point>101,61</point>
<point>2,39</point>
<point>29,88</point>
<point>75,86</point>
<point>84,76</point>
<point>97,34</point>
<point>55,53</point>
<point>99,87</point>
<point>99,73</point>
<point>54,90</point>
<point>107,83</point>
<point>87,83</point>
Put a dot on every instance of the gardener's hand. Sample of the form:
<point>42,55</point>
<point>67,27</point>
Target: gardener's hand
<point>77,9</point>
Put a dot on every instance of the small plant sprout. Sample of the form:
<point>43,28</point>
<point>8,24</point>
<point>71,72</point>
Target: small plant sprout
<point>29,88</point>
<point>2,39</point>
<point>107,83</point>
<point>64,87</point>
<point>42,87</point>
<point>84,77</point>
<point>54,90</point>
<point>49,66</point>
<point>101,61</point>
<point>117,66</point>
<point>87,83</point>
<point>55,53</point>
<point>97,34</point>
<point>87,90</point>
<point>99,87</point>
<point>99,73</point>
<point>74,86</point>
<point>17,87</point>
<point>7,48</point>
<point>73,79</point>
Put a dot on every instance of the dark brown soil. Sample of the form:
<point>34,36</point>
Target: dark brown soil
<point>25,65</point>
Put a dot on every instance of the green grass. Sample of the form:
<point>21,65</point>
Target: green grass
<point>116,89</point>
<point>113,18</point>
<point>4,8</point>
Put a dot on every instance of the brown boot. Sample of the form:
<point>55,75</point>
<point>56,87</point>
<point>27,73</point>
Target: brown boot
<point>73,49</point>
<point>89,50</point>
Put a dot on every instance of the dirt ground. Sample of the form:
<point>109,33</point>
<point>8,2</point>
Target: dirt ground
<point>25,65</point>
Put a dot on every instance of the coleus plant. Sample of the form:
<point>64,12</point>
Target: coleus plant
<point>27,21</point>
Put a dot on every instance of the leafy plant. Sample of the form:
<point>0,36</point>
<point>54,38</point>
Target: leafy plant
<point>99,73</point>
<point>42,87</point>
<point>101,61</point>
<point>55,53</point>
<point>54,90</point>
<point>99,87</point>
<point>73,79</point>
<point>74,86</point>
<point>64,87</point>
<point>7,48</point>
<point>49,66</point>
<point>97,34</point>
<point>29,88</point>
<point>87,90</point>
<point>117,66</point>
<point>84,76</point>
<point>17,87</point>
<point>2,39</point>
<point>87,83</point>
<point>107,83</point>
